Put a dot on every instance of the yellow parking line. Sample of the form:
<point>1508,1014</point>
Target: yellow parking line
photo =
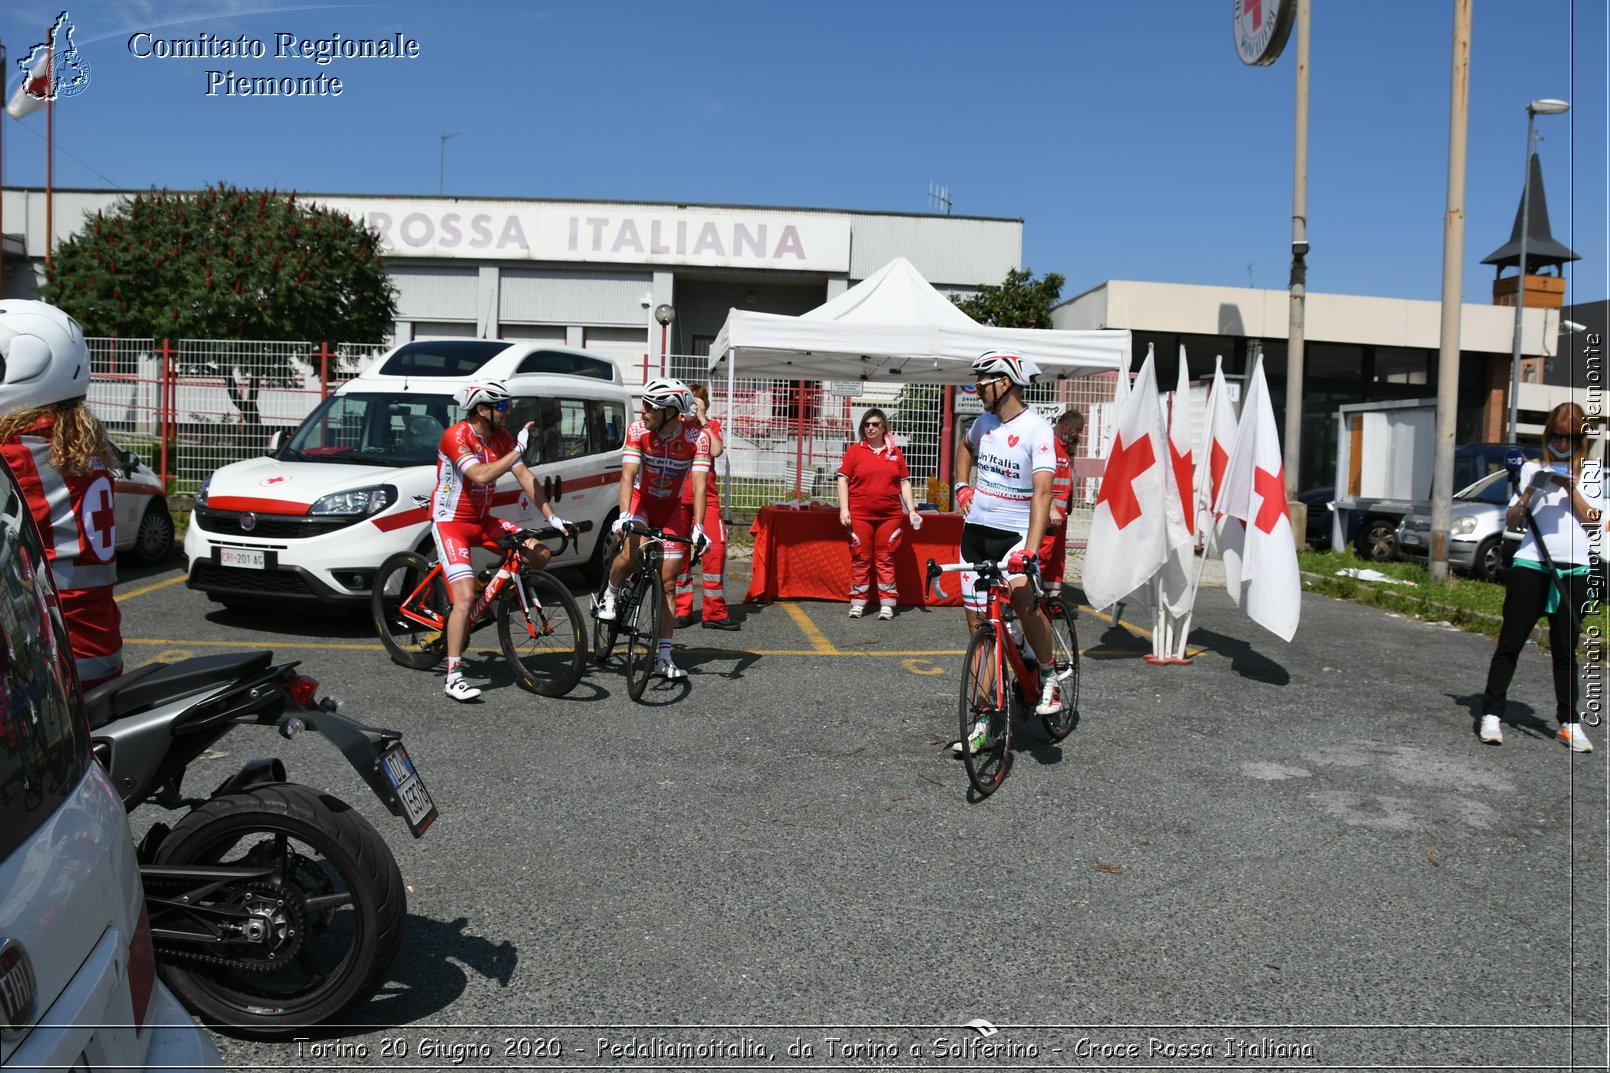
<point>148,588</point>
<point>816,637</point>
<point>248,643</point>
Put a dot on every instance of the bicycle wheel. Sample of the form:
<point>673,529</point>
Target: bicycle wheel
<point>641,625</point>
<point>986,766</point>
<point>409,643</point>
<point>544,643</point>
<point>1065,654</point>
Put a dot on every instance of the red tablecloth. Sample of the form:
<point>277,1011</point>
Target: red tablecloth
<point>805,554</point>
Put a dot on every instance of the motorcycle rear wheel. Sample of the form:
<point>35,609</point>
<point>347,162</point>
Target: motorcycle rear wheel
<point>340,930</point>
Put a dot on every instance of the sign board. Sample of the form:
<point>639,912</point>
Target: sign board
<point>516,230</point>
<point>1261,28</point>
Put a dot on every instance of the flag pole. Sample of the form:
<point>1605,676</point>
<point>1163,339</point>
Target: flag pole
<point>2,177</point>
<point>50,144</point>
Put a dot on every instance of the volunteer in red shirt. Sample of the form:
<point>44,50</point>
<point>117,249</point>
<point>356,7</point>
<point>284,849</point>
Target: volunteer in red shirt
<point>875,503</point>
<point>712,565</point>
<point>1054,547</point>
<point>661,453</point>
<point>473,454</point>
<point>59,454</point>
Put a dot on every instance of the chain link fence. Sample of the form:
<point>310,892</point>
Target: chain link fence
<point>190,406</point>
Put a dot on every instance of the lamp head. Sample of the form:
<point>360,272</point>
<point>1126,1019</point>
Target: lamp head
<point>1549,106</point>
<point>665,314</point>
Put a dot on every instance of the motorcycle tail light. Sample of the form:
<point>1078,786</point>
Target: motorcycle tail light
<point>142,969</point>
<point>303,690</point>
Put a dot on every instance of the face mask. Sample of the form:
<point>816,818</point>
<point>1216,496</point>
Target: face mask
<point>1557,453</point>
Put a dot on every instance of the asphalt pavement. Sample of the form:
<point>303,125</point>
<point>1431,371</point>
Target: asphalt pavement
<point>1281,856</point>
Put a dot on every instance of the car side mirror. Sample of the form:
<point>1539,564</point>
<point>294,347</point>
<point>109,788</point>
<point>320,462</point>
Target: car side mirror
<point>275,442</point>
<point>130,460</point>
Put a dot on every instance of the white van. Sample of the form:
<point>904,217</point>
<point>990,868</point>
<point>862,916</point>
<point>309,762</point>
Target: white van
<point>315,518</point>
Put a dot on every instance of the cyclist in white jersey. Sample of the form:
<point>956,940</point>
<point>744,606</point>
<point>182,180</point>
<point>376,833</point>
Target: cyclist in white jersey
<point>1008,504</point>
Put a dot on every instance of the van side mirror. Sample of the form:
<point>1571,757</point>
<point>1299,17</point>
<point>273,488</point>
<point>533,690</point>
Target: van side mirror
<point>130,460</point>
<point>275,442</point>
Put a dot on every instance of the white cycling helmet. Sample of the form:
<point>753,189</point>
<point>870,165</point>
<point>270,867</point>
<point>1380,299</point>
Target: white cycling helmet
<point>490,392</point>
<point>668,394</point>
<point>1005,363</point>
<point>43,357</point>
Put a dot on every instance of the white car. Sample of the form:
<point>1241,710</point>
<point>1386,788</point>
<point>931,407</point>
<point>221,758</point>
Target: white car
<point>144,521</point>
<point>1477,541</point>
<point>78,976</point>
<point>313,520</point>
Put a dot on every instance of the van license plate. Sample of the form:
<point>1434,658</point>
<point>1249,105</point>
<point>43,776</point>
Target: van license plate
<point>250,558</point>
<point>418,809</point>
<point>1411,540</point>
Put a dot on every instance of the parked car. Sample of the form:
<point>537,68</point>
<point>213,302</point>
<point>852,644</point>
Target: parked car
<point>144,520</point>
<point>78,976</point>
<point>1477,542</point>
<point>1321,514</point>
<point>312,521</point>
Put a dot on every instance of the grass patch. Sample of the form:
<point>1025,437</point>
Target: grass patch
<point>1470,604</point>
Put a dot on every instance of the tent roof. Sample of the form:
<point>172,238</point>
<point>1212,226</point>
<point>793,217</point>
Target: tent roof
<point>894,326</point>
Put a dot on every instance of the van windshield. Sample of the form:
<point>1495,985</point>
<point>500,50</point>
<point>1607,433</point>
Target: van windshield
<point>377,429</point>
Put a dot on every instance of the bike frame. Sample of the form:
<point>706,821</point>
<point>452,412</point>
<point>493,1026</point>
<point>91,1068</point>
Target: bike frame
<point>1025,675</point>
<point>412,608</point>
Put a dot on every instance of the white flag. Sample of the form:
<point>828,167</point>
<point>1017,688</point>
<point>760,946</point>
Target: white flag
<point>1181,499</point>
<point>1129,534</point>
<point>1218,439</point>
<point>1260,555</point>
<point>30,94</point>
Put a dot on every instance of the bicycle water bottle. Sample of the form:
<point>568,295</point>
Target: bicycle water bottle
<point>1015,629</point>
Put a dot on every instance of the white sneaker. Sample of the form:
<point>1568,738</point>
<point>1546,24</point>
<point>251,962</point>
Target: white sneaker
<point>977,741</point>
<point>1050,696</point>
<point>1491,732</point>
<point>665,668</point>
<point>1571,735</point>
<point>856,610</point>
<point>885,613</point>
<point>459,689</point>
<point>605,612</point>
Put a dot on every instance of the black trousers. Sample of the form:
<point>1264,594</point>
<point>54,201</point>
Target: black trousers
<point>1525,595</point>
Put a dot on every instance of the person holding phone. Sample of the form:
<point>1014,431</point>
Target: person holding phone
<point>1567,523</point>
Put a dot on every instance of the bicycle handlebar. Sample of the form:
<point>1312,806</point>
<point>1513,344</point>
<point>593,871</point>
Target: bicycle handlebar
<point>638,528</point>
<point>508,540</point>
<point>988,572</point>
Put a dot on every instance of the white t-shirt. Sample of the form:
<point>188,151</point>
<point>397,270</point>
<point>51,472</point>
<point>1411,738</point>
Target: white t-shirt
<point>1567,541</point>
<point>1007,455</point>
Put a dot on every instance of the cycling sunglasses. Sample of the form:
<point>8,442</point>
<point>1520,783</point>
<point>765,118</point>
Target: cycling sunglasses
<point>501,407</point>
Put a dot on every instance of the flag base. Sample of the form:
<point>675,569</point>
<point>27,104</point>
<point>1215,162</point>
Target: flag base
<point>1167,661</point>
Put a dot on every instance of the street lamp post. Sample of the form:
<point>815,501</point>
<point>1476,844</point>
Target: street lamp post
<point>1547,106</point>
<point>441,163</point>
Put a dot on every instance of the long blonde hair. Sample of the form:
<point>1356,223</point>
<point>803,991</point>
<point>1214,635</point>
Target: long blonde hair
<point>76,436</point>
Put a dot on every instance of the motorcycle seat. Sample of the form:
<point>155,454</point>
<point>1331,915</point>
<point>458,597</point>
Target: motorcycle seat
<point>157,682</point>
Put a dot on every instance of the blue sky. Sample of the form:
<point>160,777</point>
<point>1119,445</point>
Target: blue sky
<point>1128,136</point>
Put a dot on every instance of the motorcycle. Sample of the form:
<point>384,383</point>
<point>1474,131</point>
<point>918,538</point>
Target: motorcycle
<point>274,907</point>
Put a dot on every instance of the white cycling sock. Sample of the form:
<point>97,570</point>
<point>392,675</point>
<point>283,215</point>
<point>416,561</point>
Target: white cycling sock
<point>452,666</point>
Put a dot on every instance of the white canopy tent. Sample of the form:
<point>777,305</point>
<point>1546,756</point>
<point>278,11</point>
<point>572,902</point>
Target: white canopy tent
<point>894,326</point>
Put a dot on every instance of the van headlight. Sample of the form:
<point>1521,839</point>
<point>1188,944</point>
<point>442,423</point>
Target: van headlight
<point>1462,526</point>
<point>201,493</point>
<point>371,500</point>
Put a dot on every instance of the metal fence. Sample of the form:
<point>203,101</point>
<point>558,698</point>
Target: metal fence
<point>189,406</point>
<point>786,438</point>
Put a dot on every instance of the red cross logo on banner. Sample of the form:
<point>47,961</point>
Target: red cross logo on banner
<point>1128,461</point>
<point>1271,489</point>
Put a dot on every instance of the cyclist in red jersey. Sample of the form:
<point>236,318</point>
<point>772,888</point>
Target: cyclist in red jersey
<point>661,453</point>
<point>473,454</point>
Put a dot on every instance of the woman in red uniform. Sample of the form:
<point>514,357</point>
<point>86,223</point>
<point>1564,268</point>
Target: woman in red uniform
<point>714,561</point>
<point>59,454</point>
<point>874,503</point>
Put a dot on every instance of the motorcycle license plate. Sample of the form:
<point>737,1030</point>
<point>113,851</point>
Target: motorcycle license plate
<point>418,809</point>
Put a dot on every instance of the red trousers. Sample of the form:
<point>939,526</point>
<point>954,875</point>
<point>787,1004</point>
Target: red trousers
<point>872,550</point>
<point>713,565</point>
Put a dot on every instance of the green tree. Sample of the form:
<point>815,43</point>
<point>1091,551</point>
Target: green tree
<point>224,264</point>
<point>1019,302</point>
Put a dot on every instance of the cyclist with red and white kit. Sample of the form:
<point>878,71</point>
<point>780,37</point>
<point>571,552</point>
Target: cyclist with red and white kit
<point>1007,508</point>
<point>661,453</point>
<point>473,454</point>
